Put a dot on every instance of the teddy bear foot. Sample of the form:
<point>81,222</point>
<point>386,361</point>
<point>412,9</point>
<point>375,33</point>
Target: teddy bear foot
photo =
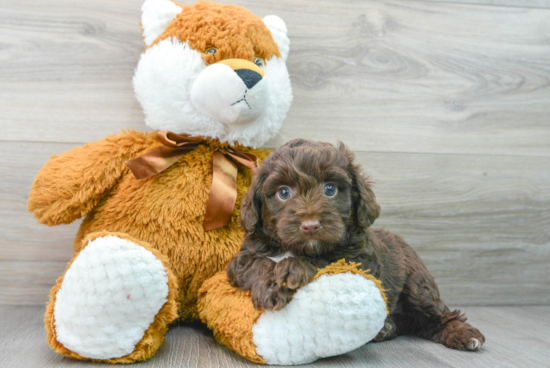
<point>113,303</point>
<point>331,316</point>
<point>342,309</point>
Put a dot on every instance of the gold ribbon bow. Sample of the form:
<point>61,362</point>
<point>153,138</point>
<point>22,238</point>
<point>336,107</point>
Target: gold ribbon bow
<point>223,192</point>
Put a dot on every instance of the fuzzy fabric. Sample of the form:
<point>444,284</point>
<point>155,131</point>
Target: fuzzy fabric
<point>325,318</point>
<point>83,329</point>
<point>278,30</point>
<point>340,320</point>
<point>156,16</point>
<point>219,92</point>
<point>185,90</point>
<point>233,30</point>
<point>166,211</point>
<point>218,305</point>
<point>109,297</point>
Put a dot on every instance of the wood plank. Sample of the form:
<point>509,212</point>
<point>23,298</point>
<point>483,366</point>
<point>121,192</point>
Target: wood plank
<point>24,282</point>
<point>67,73</point>
<point>522,341</point>
<point>518,3</point>
<point>21,236</point>
<point>480,223</point>
<point>390,76</point>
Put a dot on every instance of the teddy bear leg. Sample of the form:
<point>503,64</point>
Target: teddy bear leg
<point>341,310</point>
<point>114,301</point>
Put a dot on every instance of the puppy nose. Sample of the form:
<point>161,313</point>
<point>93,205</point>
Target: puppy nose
<point>249,77</point>
<point>310,227</point>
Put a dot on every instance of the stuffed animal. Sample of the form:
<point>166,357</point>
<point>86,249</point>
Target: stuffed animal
<point>161,208</point>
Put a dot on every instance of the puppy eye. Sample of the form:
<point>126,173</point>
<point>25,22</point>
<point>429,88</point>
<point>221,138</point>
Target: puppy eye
<point>330,190</point>
<point>211,51</point>
<point>284,193</point>
<point>258,62</point>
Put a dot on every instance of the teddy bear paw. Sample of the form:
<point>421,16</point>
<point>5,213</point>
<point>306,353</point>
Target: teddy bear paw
<point>332,315</point>
<point>108,298</point>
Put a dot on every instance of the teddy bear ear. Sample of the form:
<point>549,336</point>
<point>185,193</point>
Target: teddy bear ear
<point>277,27</point>
<point>156,15</point>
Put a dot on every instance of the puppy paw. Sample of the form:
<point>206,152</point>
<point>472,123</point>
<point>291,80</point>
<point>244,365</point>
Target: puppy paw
<point>293,273</point>
<point>388,332</point>
<point>461,336</point>
<point>473,344</point>
<point>271,298</point>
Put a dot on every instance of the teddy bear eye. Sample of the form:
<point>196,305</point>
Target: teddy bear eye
<point>211,51</point>
<point>258,62</point>
<point>330,190</point>
<point>284,193</point>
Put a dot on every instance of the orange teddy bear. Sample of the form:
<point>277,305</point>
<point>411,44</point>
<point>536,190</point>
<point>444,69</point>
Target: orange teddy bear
<point>161,208</point>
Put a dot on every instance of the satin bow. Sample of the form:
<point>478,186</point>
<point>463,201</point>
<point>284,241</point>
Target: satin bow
<point>223,191</point>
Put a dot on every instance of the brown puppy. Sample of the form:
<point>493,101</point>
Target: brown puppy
<point>308,206</point>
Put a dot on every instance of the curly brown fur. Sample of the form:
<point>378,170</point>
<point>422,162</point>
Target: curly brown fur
<point>275,228</point>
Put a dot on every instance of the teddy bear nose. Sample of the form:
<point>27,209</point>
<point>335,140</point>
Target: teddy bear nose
<point>249,77</point>
<point>310,227</point>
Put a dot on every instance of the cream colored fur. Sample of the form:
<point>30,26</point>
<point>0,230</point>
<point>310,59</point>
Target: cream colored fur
<point>180,93</point>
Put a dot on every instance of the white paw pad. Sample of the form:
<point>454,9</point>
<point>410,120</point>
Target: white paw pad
<point>108,298</point>
<point>331,316</point>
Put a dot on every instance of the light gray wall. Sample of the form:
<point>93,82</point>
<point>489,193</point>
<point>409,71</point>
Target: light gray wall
<point>447,105</point>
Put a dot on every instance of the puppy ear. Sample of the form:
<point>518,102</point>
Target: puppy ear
<point>366,208</point>
<point>251,205</point>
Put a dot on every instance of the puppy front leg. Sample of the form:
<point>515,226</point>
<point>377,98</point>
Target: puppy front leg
<point>287,276</point>
<point>248,271</point>
<point>293,273</point>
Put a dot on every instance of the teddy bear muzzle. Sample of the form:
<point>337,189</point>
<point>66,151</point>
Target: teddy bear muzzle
<point>232,91</point>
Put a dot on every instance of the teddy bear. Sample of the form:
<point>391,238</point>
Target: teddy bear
<point>160,208</point>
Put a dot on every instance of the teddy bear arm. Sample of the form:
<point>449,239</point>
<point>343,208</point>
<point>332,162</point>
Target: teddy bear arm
<point>73,183</point>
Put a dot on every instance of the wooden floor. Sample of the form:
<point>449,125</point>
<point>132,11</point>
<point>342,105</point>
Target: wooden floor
<point>516,337</point>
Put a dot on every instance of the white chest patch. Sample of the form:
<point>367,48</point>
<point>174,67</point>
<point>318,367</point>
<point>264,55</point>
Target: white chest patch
<point>280,258</point>
<point>109,297</point>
